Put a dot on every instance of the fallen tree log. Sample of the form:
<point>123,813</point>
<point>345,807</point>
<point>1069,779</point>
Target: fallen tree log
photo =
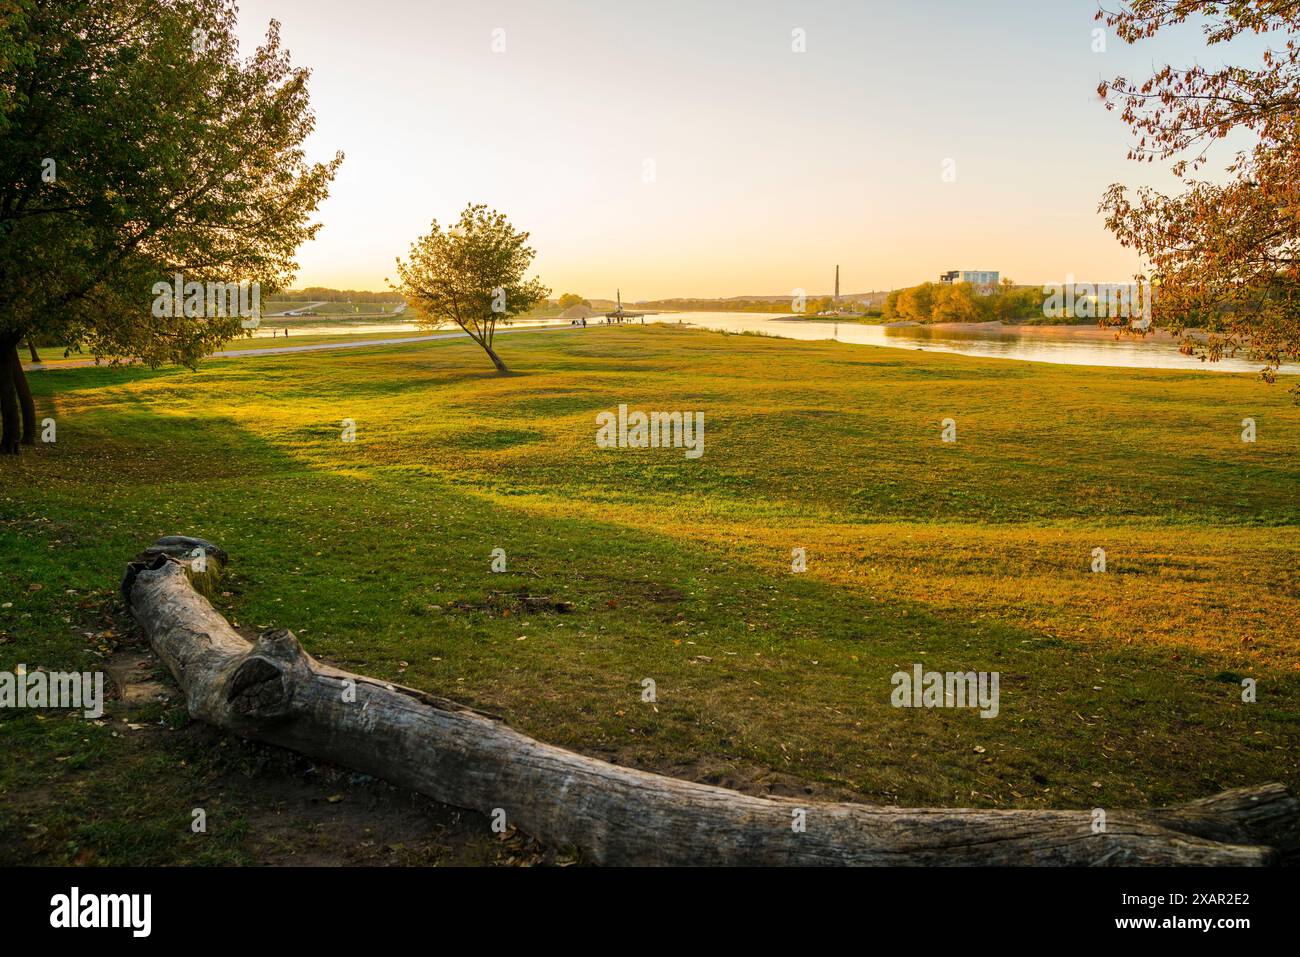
<point>273,691</point>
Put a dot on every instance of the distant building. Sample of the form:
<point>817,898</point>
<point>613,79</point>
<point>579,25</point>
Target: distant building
<point>976,277</point>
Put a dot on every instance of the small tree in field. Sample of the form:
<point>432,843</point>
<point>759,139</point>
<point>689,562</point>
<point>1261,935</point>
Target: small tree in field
<point>471,274</point>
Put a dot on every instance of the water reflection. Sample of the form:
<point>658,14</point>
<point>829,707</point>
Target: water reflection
<point>1069,345</point>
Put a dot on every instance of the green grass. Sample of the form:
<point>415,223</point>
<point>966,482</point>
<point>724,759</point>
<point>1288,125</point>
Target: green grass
<point>1117,689</point>
<point>328,309</point>
<point>270,306</point>
<point>244,343</point>
<point>312,339</point>
<point>344,309</point>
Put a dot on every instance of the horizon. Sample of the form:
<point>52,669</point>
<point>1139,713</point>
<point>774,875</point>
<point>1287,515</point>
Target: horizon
<point>749,296</point>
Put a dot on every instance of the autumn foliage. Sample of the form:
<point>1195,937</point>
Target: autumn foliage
<point>1224,255</point>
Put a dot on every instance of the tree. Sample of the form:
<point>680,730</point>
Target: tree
<point>1011,302</point>
<point>813,305</point>
<point>917,302</point>
<point>1224,258</point>
<point>890,309</point>
<point>956,302</point>
<point>570,299</point>
<point>136,144</point>
<point>472,275</point>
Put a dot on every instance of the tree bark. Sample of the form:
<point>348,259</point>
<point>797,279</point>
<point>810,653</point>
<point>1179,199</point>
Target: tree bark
<point>273,691</point>
<point>31,347</point>
<point>483,335</point>
<point>25,401</point>
<point>10,424</point>
<point>496,359</point>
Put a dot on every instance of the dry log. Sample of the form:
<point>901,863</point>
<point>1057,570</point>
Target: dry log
<point>273,691</point>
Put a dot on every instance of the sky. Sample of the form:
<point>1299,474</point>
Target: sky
<point>680,148</point>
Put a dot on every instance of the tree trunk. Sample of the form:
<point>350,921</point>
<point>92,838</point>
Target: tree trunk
<point>10,424</point>
<point>25,401</point>
<point>273,691</point>
<point>496,359</point>
<point>31,347</point>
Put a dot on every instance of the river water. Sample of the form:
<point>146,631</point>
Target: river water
<point>1068,345</point>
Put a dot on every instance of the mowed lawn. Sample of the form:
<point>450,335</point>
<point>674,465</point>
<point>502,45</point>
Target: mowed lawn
<point>1122,688</point>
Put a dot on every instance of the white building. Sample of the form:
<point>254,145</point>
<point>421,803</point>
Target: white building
<point>976,277</point>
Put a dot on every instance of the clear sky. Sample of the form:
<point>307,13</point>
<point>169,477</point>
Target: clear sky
<point>682,148</point>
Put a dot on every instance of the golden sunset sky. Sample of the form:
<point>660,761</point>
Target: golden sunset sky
<point>686,149</point>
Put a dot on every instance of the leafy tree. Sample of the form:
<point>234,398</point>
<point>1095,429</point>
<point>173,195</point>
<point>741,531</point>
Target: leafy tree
<point>963,302</point>
<point>136,143</point>
<point>472,274</point>
<point>917,302</point>
<point>1011,302</point>
<point>890,309</point>
<point>957,302</point>
<point>1224,257</point>
<point>570,299</point>
<point>815,304</point>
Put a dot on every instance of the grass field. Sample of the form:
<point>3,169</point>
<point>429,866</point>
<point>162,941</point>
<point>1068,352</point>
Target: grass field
<point>1117,689</point>
<point>272,306</point>
<point>313,339</point>
<point>50,357</point>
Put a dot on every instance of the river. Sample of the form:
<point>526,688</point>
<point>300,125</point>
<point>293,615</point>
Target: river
<point>1067,345</point>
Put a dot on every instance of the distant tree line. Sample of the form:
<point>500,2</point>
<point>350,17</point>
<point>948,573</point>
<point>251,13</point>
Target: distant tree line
<point>322,294</point>
<point>964,302</point>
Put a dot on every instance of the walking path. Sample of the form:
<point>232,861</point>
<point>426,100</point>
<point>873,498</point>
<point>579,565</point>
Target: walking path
<point>310,305</point>
<point>314,347</point>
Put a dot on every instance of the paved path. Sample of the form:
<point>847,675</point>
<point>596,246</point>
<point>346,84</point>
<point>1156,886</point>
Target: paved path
<point>313,347</point>
<point>310,305</point>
